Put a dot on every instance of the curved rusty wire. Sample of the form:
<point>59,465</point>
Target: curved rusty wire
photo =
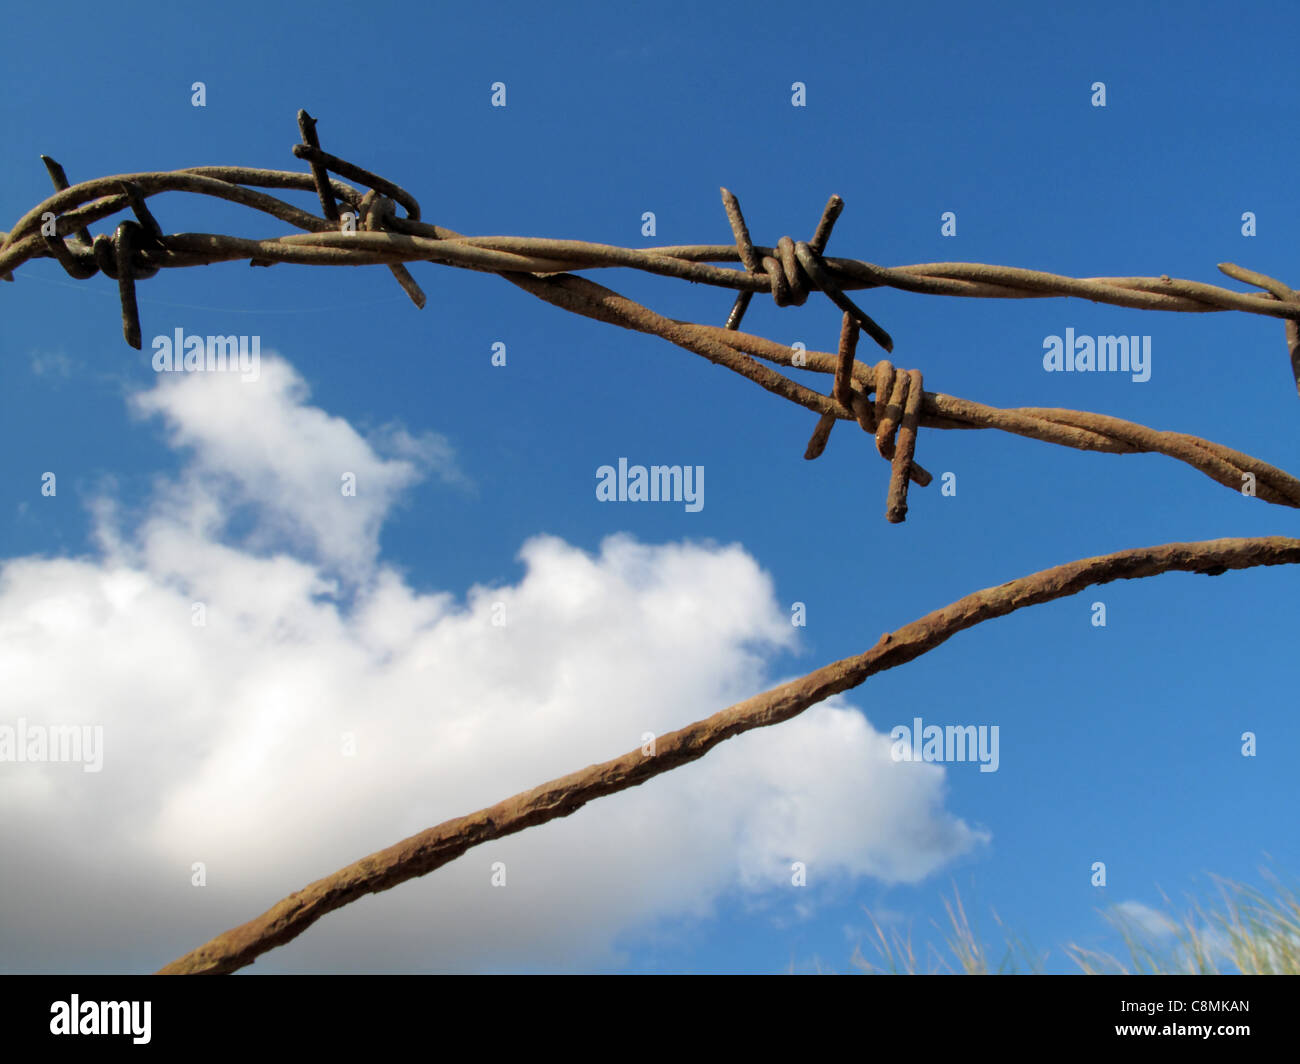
<point>436,846</point>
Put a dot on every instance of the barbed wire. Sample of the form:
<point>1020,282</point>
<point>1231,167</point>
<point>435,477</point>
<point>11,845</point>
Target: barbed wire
<point>886,401</point>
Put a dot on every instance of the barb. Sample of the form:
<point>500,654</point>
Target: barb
<point>796,270</point>
<point>1281,292</point>
<point>437,846</point>
<point>791,271</point>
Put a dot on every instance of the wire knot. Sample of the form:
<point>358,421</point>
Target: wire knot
<point>375,211</point>
<point>376,208</point>
<point>790,283</point>
<point>893,418</point>
<point>797,269</point>
<point>117,256</point>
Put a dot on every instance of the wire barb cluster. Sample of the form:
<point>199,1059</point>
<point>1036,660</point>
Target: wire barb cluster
<point>893,419</point>
<point>114,256</point>
<point>796,269</point>
<point>356,228</point>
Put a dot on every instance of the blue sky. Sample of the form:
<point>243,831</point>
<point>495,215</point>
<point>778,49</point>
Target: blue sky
<point>1118,744</point>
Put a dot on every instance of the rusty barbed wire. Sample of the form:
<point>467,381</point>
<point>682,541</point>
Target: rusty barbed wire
<point>886,401</point>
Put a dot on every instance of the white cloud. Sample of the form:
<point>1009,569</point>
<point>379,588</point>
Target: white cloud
<point>222,742</point>
<point>1158,930</point>
<point>1150,922</point>
<point>52,364</point>
<point>257,444</point>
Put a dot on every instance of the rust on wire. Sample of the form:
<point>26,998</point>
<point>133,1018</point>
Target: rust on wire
<point>60,179</point>
<point>795,270</point>
<point>841,390</point>
<point>307,127</point>
<point>904,446</point>
<point>1279,291</point>
<point>114,256</point>
<point>746,249</point>
<point>373,219</point>
<point>886,402</point>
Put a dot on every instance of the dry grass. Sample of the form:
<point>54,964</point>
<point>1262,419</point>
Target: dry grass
<point>1247,931</point>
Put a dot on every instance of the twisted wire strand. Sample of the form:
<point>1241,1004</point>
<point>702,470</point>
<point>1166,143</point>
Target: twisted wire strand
<point>436,846</point>
<point>887,402</point>
<point>688,262</point>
